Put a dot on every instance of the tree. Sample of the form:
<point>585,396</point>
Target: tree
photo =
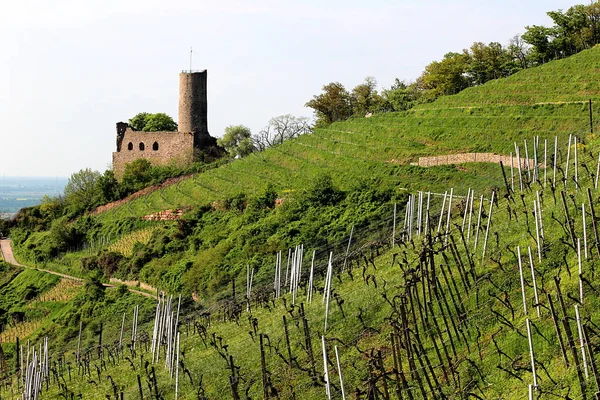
<point>540,39</point>
<point>153,122</point>
<point>81,191</point>
<point>448,76</point>
<point>487,62</point>
<point>109,187</point>
<point>401,96</point>
<point>237,141</point>
<point>334,104</point>
<point>137,175</point>
<point>365,99</point>
<point>280,129</point>
<point>518,51</point>
<point>138,122</point>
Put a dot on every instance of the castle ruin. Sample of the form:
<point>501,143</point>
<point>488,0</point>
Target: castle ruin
<point>163,148</point>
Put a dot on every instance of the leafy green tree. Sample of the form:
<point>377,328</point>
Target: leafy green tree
<point>153,122</point>
<point>334,104</point>
<point>542,48</point>
<point>448,76</point>
<point>365,99</point>
<point>160,122</point>
<point>488,62</point>
<point>321,191</point>
<point>138,122</point>
<point>401,96</point>
<point>109,187</point>
<point>82,191</point>
<point>137,175</point>
<point>237,141</point>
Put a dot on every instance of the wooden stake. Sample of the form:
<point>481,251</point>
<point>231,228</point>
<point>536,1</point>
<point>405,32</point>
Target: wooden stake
<point>337,359</point>
<point>442,213</point>
<point>580,270</point>
<point>448,219</point>
<point>585,242</point>
<point>478,223</point>
<point>566,177</point>
<point>519,166</point>
<point>535,292</point>
<point>522,281</point>
<point>537,231</point>
<point>470,215</point>
<point>350,242</point>
<point>581,342</point>
<point>576,164</point>
<point>557,328</point>
<point>310,279</point>
<point>394,228</point>
<point>545,159</point>
<point>325,369</point>
<point>527,160</point>
<point>529,338</point>
<point>555,160</point>
<point>512,174</point>
<point>487,229</point>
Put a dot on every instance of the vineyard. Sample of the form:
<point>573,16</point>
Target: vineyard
<point>486,294</point>
<point>372,278</point>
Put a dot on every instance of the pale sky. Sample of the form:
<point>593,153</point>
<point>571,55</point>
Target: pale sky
<point>71,69</point>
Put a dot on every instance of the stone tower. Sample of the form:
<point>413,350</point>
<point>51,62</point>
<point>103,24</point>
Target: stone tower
<point>193,105</point>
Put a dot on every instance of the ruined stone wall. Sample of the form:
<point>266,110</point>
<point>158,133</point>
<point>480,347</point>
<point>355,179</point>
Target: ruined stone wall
<point>475,157</point>
<point>160,148</point>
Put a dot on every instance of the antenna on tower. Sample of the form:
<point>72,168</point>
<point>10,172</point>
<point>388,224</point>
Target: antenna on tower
<point>191,50</point>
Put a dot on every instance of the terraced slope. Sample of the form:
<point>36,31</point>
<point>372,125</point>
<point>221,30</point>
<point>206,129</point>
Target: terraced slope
<point>547,101</point>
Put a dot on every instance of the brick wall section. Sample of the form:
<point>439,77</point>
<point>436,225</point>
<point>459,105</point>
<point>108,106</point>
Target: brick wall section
<point>475,157</point>
<point>175,147</point>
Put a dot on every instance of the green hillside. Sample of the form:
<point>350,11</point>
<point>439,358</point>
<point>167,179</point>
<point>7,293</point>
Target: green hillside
<point>480,119</point>
<point>573,79</point>
<point>429,306</point>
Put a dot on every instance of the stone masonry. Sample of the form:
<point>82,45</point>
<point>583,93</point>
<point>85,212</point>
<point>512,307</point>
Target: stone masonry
<point>475,157</point>
<point>160,148</point>
<point>164,148</point>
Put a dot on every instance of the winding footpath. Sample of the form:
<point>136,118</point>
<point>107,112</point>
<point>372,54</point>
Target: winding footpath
<point>7,254</point>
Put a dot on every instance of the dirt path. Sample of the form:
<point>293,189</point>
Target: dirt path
<point>8,256</point>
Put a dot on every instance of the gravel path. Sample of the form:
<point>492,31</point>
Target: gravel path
<point>8,256</point>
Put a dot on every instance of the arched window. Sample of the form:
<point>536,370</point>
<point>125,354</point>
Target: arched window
<point>130,146</point>
<point>142,146</point>
<point>155,146</point>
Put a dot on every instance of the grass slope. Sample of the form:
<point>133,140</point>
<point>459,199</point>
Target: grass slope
<point>432,316</point>
<point>545,101</point>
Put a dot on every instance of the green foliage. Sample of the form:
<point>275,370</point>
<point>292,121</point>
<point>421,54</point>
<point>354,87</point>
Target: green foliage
<point>153,122</point>
<point>401,96</point>
<point>365,99</point>
<point>109,187</point>
<point>137,175</point>
<point>322,192</point>
<point>82,192</point>
<point>334,104</point>
<point>447,76</point>
<point>138,122</point>
<point>573,31</point>
<point>237,141</point>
